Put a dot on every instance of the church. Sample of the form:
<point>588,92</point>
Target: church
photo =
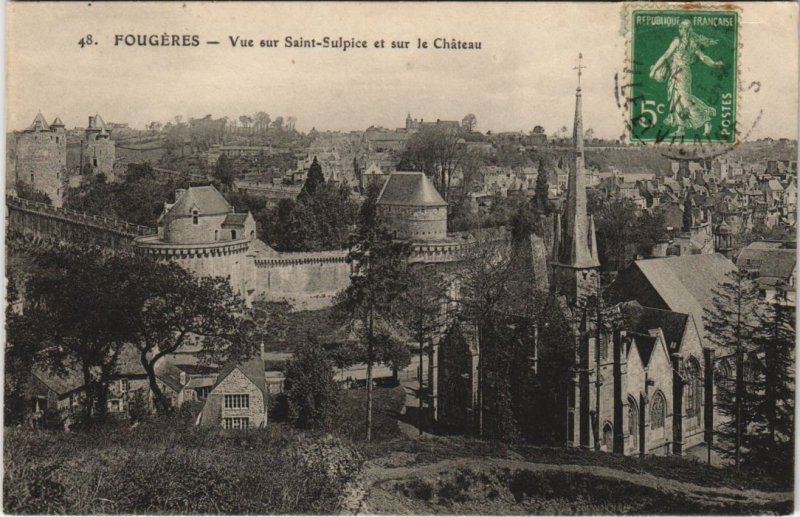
<point>638,386</point>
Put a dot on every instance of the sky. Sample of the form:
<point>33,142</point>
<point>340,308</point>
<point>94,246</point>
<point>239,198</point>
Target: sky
<point>523,76</point>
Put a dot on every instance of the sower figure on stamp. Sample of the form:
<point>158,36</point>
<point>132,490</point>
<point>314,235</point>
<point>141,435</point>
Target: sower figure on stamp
<point>685,110</point>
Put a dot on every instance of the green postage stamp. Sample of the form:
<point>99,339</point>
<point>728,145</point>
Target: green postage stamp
<point>683,86</point>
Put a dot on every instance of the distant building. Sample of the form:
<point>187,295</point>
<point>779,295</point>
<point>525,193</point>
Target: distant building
<point>41,160</point>
<point>774,266</point>
<point>98,151</point>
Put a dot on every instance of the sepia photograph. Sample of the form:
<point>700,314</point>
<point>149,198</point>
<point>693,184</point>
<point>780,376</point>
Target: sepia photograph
<point>400,258</point>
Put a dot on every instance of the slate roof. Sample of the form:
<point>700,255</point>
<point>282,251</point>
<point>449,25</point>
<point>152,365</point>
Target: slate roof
<point>253,369</point>
<point>770,262</point>
<point>207,199</point>
<point>234,220</point>
<point>685,283</point>
<point>70,380</point>
<point>645,343</point>
<point>410,189</point>
<point>38,124</point>
<point>57,122</point>
<point>644,319</point>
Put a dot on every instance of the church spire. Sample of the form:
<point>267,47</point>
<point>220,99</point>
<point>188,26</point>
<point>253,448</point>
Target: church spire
<point>576,246</point>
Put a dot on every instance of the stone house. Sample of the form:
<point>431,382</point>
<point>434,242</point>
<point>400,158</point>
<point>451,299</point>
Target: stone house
<point>239,397</point>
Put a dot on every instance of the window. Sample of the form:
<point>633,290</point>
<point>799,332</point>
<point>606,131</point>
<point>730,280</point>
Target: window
<point>94,162</point>
<point>633,423</point>
<point>694,389</point>
<point>115,406</point>
<point>56,139</point>
<point>123,385</point>
<point>216,235</point>
<point>31,178</point>
<point>233,234</point>
<point>237,401</point>
<point>202,393</point>
<point>195,216</point>
<point>236,422</point>
<point>659,412</point>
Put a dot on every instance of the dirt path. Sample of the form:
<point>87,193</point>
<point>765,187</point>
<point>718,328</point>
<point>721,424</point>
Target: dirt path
<point>399,466</point>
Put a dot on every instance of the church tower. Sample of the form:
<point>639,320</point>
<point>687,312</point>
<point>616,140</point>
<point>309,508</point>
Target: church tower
<point>575,260</point>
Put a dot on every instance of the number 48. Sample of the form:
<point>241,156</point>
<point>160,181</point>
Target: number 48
<point>86,40</point>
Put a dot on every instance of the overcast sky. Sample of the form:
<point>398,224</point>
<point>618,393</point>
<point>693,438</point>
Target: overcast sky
<point>523,76</point>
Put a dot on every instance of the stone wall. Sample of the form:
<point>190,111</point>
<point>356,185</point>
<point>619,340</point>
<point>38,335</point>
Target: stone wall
<point>39,222</point>
<point>307,280</point>
<point>42,162</point>
<point>99,156</point>
<point>417,223</point>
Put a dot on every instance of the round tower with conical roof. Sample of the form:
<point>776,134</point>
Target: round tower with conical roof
<point>41,158</point>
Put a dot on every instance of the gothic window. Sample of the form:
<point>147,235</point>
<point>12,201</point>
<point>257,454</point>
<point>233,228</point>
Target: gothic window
<point>694,389</point>
<point>658,413</point>
<point>633,423</point>
<point>252,234</point>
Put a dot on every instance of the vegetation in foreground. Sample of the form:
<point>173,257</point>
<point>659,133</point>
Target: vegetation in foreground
<point>167,465</point>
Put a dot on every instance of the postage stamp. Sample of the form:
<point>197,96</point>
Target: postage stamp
<point>683,76</point>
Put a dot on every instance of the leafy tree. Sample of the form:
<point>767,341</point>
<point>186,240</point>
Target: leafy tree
<point>224,172</point>
<point>615,224</point>
<point>171,306</point>
<point>311,391</point>
<point>469,123</point>
<point>378,264</point>
<point>21,348</point>
<point>313,180</point>
<point>542,190</point>
<point>497,296</point>
<point>88,335</point>
<point>420,311</point>
<point>435,151</point>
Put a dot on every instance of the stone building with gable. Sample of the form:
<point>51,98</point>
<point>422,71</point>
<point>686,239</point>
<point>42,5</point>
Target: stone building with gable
<point>41,158</point>
<point>238,398</point>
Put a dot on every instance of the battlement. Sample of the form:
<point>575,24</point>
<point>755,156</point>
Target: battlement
<point>293,259</point>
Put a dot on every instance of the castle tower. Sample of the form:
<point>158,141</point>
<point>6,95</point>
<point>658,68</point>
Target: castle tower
<point>42,158</point>
<point>576,262</point>
<point>99,152</point>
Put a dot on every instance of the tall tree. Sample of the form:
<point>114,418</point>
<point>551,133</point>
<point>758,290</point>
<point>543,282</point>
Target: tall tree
<point>311,391</point>
<point>378,265</point>
<point>469,122</point>
<point>314,179</point>
<point>730,324</point>
<point>420,311</point>
<point>542,190</point>
<point>435,150</point>
<point>770,440</point>
<point>88,335</point>
<point>224,171</point>
<point>171,306</point>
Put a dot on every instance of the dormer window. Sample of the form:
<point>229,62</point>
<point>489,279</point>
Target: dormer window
<point>233,234</point>
<point>195,216</point>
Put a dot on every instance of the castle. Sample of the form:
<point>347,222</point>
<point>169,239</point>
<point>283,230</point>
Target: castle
<point>41,155</point>
<point>41,161</point>
<point>98,151</point>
